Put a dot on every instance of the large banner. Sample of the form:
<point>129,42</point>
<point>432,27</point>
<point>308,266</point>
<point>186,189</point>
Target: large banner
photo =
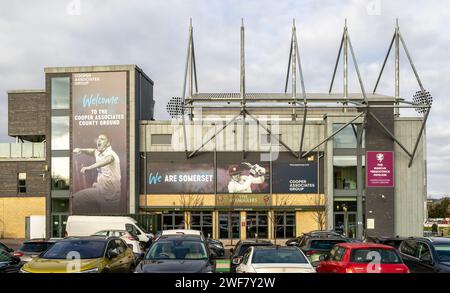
<point>180,178</point>
<point>380,169</point>
<point>295,177</point>
<point>99,148</point>
<point>237,175</point>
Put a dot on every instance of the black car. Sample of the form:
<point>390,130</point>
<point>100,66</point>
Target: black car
<point>426,255</point>
<point>178,254</point>
<point>241,247</point>
<point>316,245</point>
<point>391,241</point>
<point>216,247</point>
<point>9,263</point>
<point>5,248</point>
<point>297,240</point>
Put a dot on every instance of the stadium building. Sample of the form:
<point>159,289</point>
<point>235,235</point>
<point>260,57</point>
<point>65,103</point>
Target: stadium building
<point>234,165</point>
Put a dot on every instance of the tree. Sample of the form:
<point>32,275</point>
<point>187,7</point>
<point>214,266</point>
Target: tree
<point>320,210</point>
<point>189,201</point>
<point>285,200</point>
<point>439,209</point>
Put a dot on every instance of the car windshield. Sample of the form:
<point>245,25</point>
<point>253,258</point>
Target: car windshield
<point>278,255</point>
<point>367,255</point>
<point>178,249</point>
<point>83,249</point>
<point>35,246</point>
<point>325,244</point>
<point>443,252</point>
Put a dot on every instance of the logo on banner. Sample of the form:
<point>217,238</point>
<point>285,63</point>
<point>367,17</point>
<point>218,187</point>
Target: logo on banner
<point>380,157</point>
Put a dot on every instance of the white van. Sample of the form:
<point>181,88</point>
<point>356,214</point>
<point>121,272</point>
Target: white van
<point>89,225</point>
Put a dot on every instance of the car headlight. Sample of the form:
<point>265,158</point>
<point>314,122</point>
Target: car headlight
<point>23,271</point>
<point>90,271</point>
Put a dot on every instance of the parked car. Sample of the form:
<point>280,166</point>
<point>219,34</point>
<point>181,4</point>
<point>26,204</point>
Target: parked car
<point>274,259</point>
<point>9,263</point>
<point>298,240</point>
<point>216,247</point>
<point>96,254</point>
<point>240,248</point>
<point>177,254</point>
<point>88,225</point>
<point>313,245</point>
<point>426,255</point>
<point>362,258</point>
<point>128,237</point>
<point>391,241</point>
<point>5,248</point>
<point>32,248</point>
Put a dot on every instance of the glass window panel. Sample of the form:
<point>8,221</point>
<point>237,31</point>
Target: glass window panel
<point>60,205</point>
<point>290,219</point>
<point>39,150</point>
<point>290,232</point>
<point>344,161</point>
<point>27,150</point>
<point>60,92</point>
<point>60,133</point>
<point>5,150</point>
<point>60,173</point>
<point>16,150</point>
<point>345,178</point>
<point>346,138</point>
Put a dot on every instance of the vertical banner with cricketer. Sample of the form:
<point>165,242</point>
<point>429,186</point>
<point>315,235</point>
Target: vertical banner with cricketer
<point>99,136</point>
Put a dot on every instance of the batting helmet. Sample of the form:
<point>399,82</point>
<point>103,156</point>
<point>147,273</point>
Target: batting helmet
<point>234,169</point>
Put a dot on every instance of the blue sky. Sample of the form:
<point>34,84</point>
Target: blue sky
<point>153,35</point>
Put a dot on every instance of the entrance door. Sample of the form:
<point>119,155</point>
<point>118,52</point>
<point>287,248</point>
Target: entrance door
<point>345,223</point>
<point>59,222</point>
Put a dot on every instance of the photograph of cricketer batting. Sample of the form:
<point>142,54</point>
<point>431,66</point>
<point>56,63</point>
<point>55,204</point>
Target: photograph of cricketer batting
<point>106,190</point>
<point>240,183</point>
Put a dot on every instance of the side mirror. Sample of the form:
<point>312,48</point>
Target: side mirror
<point>426,259</point>
<point>112,254</point>
<point>237,260</point>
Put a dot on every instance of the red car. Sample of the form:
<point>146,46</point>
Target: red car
<point>362,258</point>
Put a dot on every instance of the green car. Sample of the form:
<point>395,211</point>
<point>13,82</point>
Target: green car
<point>93,254</point>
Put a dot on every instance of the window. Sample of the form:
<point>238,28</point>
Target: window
<point>60,173</point>
<point>173,220</point>
<point>229,225</point>
<point>161,138</point>
<point>257,225</point>
<point>410,247</point>
<point>284,224</point>
<point>202,221</point>
<point>60,92</point>
<point>21,182</point>
<point>345,172</point>
<point>346,138</point>
<point>60,205</point>
<point>337,253</point>
<point>60,133</point>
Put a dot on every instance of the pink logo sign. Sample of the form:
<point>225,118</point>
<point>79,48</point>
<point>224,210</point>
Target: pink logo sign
<point>380,169</point>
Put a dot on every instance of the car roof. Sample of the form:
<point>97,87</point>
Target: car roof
<point>94,237</point>
<point>39,241</point>
<point>329,237</point>
<point>356,245</point>
<point>255,242</point>
<point>276,247</point>
<point>434,240</point>
<point>181,231</point>
<point>180,237</point>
